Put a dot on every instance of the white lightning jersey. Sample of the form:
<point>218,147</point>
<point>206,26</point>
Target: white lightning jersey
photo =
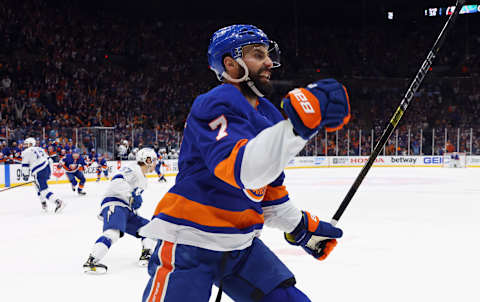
<point>120,189</point>
<point>35,158</point>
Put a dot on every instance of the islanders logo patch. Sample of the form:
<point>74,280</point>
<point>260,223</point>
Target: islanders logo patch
<point>255,195</point>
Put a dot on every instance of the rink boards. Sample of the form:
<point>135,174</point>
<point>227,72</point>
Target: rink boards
<point>11,175</point>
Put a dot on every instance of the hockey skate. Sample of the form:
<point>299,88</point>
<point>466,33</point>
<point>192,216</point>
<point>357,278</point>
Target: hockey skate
<point>59,205</point>
<point>92,267</point>
<point>81,192</point>
<point>162,179</point>
<point>44,206</point>
<point>145,257</point>
<point>98,179</point>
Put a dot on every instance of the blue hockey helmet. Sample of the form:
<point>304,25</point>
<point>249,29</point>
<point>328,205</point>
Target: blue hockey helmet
<point>230,40</point>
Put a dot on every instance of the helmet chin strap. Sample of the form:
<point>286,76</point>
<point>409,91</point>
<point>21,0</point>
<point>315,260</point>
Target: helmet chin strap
<point>254,89</point>
<point>244,78</point>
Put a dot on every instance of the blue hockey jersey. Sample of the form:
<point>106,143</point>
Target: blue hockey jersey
<point>209,206</point>
<point>72,165</point>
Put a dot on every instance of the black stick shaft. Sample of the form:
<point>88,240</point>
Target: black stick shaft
<point>397,116</point>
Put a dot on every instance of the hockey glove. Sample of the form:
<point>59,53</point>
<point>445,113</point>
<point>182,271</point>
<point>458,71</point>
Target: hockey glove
<point>323,103</point>
<point>314,236</point>
<point>136,199</point>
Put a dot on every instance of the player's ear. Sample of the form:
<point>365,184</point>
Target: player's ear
<point>230,64</point>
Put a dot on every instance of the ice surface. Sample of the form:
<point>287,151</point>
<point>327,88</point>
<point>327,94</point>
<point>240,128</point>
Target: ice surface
<point>410,234</point>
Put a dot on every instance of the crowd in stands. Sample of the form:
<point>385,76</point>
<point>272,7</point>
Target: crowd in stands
<point>63,69</point>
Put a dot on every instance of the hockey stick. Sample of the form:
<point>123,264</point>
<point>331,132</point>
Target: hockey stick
<point>397,116</point>
<point>13,187</point>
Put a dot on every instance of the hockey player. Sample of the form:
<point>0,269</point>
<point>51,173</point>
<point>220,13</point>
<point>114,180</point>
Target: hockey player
<point>158,168</point>
<point>118,210</point>
<point>35,162</point>
<point>93,155</point>
<point>230,181</point>
<point>101,166</point>
<point>52,153</point>
<point>74,166</point>
<point>63,155</point>
<point>454,160</point>
<point>16,154</point>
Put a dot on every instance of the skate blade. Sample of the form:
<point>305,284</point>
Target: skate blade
<point>143,263</point>
<point>94,270</point>
<point>62,206</point>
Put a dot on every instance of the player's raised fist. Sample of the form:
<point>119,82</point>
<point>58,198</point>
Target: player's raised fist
<point>323,103</point>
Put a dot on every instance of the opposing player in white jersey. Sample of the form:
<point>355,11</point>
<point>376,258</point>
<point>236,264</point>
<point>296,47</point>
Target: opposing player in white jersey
<point>118,211</point>
<point>35,162</point>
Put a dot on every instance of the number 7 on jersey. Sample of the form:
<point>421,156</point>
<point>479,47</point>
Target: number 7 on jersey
<point>222,122</point>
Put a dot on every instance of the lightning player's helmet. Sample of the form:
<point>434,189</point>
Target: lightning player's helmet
<point>30,141</point>
<point>230,41</point>
<point>144,154</point>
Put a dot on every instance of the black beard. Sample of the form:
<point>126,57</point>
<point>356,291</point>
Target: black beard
<point>264,87</point>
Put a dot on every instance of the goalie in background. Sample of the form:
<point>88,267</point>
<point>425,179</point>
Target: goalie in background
<point>454,160</point>
<point>36,162</point>
<point>118,211</point>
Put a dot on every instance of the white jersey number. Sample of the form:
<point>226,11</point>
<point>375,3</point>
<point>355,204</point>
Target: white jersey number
<point>39,153</point>
<point>222,122</point>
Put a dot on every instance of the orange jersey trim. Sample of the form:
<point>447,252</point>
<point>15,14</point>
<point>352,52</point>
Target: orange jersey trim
<point>225,170</point>
<point>180,207</point>
<point>161,275</point>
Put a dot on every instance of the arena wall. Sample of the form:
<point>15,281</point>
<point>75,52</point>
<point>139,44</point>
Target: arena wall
<point>11,175</point>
